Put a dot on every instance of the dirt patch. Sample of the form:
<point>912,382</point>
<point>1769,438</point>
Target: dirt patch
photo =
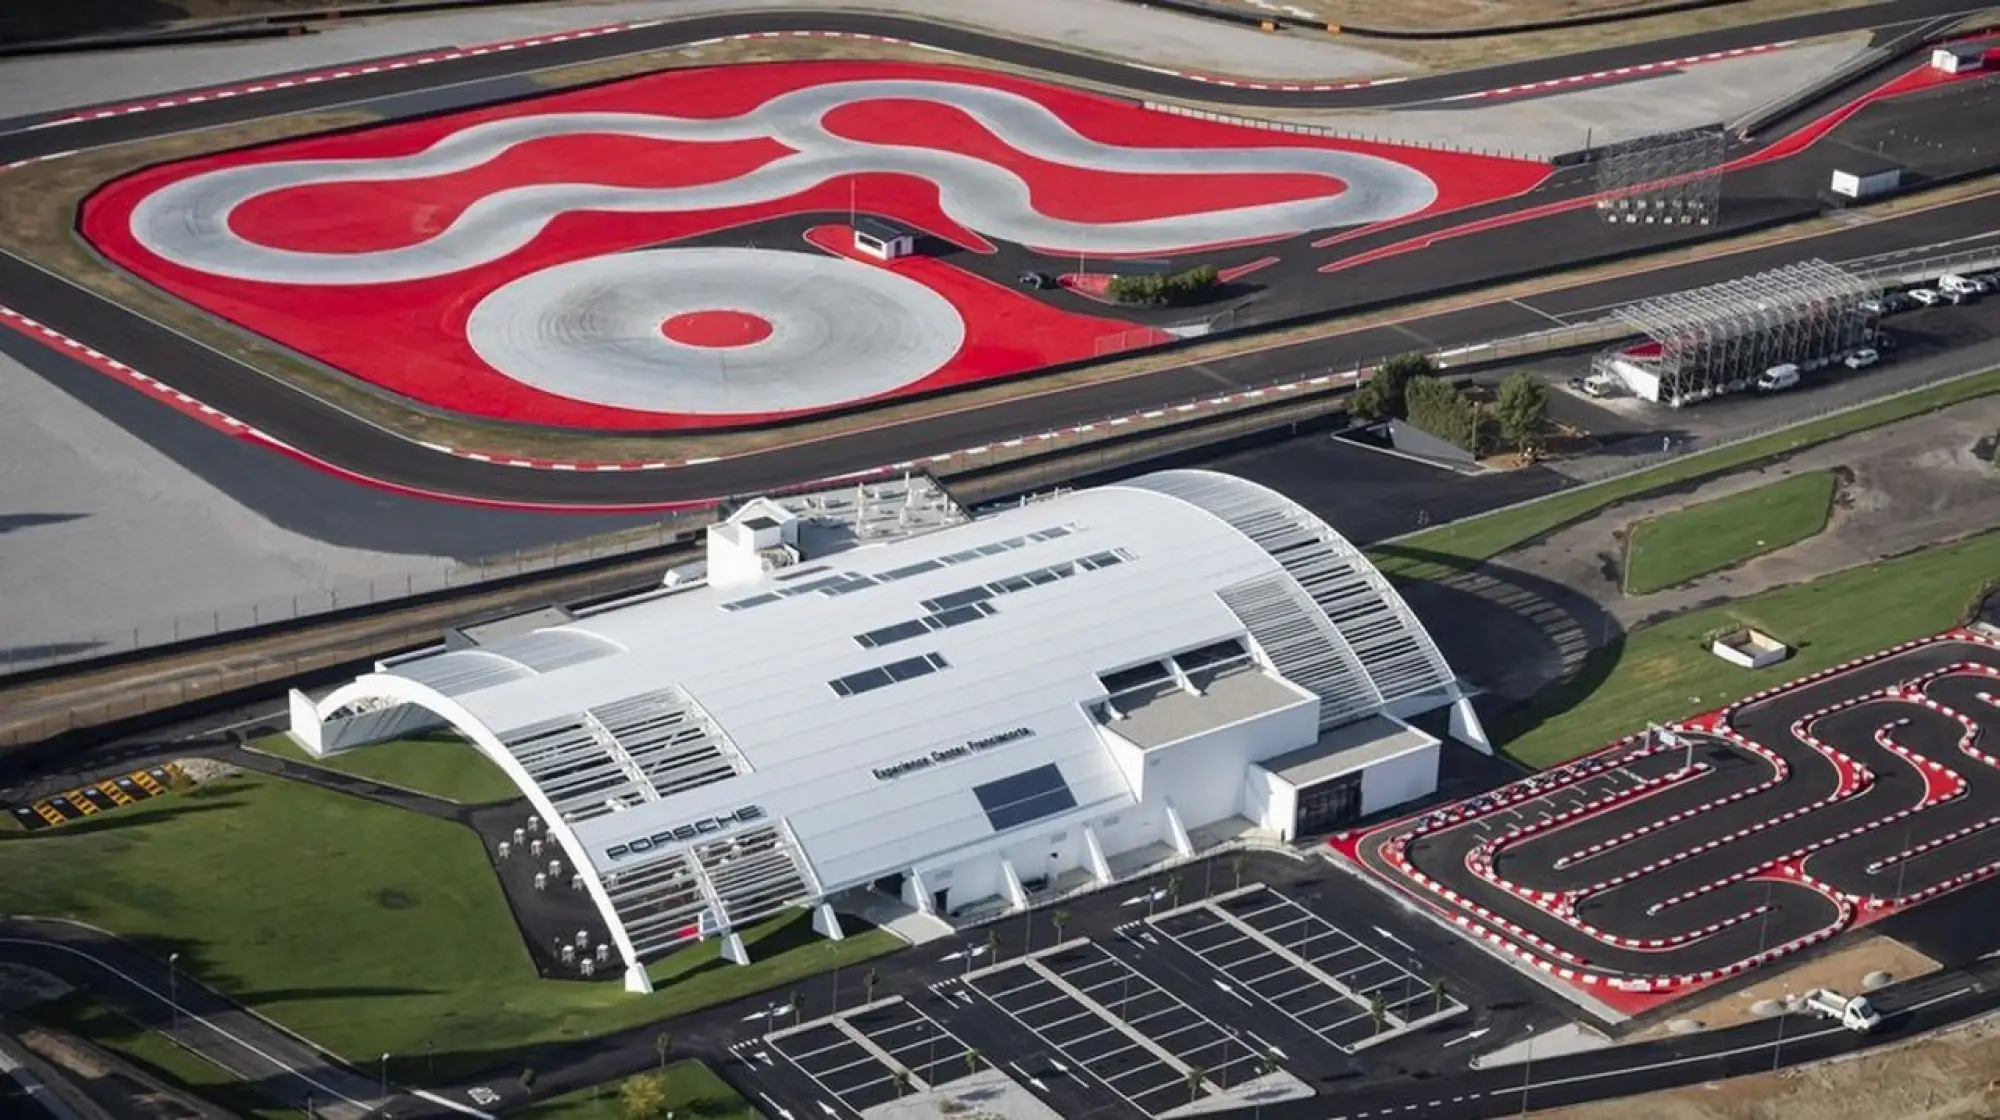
<point>1948,1077</point>
<point>1842,971</point>
<point>738,51</point>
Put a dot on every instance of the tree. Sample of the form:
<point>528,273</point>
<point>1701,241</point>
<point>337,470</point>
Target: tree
<point>1437,996</point>
<point>1384,395</point>
<point>1236,866</point>
<point>1195,1075</point>
<point>1520,408</point>
<point>1378,1010</point>
<point>1443,411</point>
<point>662,1043</point>
<point>971,1061</point>
<point>1174,887</point>
<point>869,979</point>
<point>643,1097</point>
<point>797,1003</point>
<point>902,1079</point>
<point>1060,919</point>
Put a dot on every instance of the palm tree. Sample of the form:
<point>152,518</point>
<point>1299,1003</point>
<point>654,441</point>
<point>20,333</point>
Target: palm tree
<point>1060,918</point>
<point>662,1043</point>
<point>1174,887</point>
<point>1195,1074</point>
<point>1437,996</point>
<point>992,942</point>
<point>971,1062</point>
<point>798,1003</point>
<point>868,981</point>
<point>1378,1010</point>
<point>1236,865</point>
<point>1267,1064</point>
<point>902,1079</point>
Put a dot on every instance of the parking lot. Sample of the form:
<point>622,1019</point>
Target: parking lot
<point>1119,1028</point>
<point>1317,974</point>
<point>856,1057</point>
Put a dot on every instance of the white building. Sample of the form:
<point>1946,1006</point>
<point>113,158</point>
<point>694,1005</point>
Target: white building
<point>955,716</point>
<point>883,240</point>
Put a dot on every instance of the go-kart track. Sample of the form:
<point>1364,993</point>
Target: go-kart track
<point>618,257</point>
<point>1665,863</point>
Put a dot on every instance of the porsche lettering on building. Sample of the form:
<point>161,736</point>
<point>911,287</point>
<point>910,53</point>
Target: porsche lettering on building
<point>706,826</point>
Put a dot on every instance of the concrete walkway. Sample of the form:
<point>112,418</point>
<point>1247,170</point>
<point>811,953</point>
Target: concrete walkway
<point>42,85</point>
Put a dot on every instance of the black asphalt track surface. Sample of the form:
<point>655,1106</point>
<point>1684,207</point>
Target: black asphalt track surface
<point>1725,846</point>
<point>320,431</point>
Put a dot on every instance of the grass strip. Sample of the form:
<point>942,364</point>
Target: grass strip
<point>1688,543</point>
<point>692,1090</point>
<point>1665,670</point>
<point>443,766</point>
<point>364,928</point>
<point>1437,553</point>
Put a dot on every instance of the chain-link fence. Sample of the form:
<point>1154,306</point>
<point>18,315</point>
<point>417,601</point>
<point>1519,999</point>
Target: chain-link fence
<point>339,596</point>
<point>1298,129</point>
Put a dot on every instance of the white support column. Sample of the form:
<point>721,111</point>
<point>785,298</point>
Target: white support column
<point>826,923</point>
<point>1177,833</point>
<point>1010,885</point>
<point>733,949</point>
<point>1466,728</point>
<point>917,893</point>
<point>306,726</point>
<point>1093,856</point>
<point>636,980</point>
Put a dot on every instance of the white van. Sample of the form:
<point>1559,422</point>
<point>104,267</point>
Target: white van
<point>1952,283</point>
<point>1778,378</point>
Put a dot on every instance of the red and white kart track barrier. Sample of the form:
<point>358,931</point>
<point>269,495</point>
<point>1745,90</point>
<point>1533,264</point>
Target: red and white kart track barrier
<point>1903,740</point>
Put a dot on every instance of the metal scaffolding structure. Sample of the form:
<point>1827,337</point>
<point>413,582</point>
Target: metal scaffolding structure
<point>1719,338</point>
<point>1670,178</point>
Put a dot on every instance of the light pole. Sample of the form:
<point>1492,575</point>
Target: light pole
<point>1527,1074</point>
<point>174,987</point>
<point>385,1074</point>
<point>1777,1048</point>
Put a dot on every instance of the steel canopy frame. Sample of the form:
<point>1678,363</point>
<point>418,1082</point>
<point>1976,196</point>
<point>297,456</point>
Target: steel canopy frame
<point>1719,338</point>
<point>1670,178</point>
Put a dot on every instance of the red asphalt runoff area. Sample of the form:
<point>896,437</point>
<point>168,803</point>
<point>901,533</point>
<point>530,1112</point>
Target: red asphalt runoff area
<point>1381,850</point>
<point>409,337</point>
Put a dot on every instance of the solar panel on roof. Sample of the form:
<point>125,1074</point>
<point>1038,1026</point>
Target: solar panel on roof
<point>1024,798</point>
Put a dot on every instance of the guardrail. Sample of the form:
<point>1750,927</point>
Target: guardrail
<point>1297,128</point>
<point>1921,266</point>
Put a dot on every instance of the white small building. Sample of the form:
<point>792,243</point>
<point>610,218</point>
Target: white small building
<point>1958,58</point>
<point>954,717</point>
<point>1867,180</point>
<point>883,240</point>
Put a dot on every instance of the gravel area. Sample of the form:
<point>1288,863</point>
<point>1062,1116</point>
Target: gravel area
<point>35,86</point>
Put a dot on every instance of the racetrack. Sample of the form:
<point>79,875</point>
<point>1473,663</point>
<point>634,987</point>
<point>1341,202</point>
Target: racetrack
<point>1646,871</point>
<point>277,416</point>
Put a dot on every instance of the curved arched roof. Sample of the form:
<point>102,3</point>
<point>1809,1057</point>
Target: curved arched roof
<point>806,694</point>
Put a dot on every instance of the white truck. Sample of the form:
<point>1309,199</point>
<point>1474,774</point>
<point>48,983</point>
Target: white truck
<point>1962,285</point>
<point>1853,1012</point>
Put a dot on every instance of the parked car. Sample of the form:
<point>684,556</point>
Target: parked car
<point>1883,340</point>
<point>1862,358</point>
<point>1778,378</point>
<point>1961,295</point>
<point>1926,297</point>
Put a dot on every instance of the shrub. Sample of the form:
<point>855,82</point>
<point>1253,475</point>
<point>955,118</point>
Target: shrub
<point>1384,395</point>
<point>1181,287</point>
<point>1520,409</point>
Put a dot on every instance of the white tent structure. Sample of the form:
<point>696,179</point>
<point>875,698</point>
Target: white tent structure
<point>952,716</point>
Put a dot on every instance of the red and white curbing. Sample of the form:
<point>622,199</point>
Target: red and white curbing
<point>1929,769</point>
<point>1781,770</point>
<point>1847,666</point>
<point>152,387</point>
<point>1930,845</point>
<point>1597,77</point>
<point>1479,859</point>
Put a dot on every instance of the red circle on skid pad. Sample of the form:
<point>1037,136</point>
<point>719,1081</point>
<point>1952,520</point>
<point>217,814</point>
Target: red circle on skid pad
<point>719,329</point>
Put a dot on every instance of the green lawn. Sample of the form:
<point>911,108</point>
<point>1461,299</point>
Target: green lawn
<point>1665,671</point>
<point>362,927</point>
<point>694,1091</point>
<point>442,767</point>
<point>1435,553</point>
<point>1676,547</point>
<point>155,1055</point>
